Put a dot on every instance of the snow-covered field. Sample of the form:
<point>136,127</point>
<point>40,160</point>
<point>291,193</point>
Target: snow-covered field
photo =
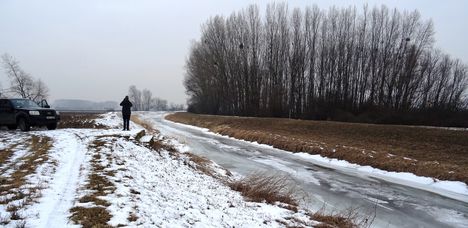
<point>42,183</point>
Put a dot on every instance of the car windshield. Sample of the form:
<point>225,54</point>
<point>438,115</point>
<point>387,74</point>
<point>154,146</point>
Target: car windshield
<point>24,103</point>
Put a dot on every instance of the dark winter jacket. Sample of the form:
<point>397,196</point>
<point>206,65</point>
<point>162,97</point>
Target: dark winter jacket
<point>126,107</point>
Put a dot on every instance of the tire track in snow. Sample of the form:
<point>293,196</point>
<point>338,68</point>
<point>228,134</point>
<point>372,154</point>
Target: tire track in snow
<point>69,151</point>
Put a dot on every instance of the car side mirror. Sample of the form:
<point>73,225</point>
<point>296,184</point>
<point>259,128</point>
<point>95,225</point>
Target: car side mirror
<point>44,103</point>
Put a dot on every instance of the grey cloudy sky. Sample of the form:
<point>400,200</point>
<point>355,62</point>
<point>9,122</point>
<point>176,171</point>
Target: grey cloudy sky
<point>95,49</point>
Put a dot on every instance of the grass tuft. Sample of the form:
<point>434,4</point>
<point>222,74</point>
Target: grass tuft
<point>330,221</point>
<point>262,187</point>
<point>132,217</point>
<point>159,145</point>
<point>348,218</point>
<point>201,164</point>
<point>145,124</point>
<point>91,217</point>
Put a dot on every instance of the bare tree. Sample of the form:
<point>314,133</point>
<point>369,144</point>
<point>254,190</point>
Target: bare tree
<point>39,91</point>
<point>158,104</point>
<point>135,96</point>
<point>175,107</point>
<point>146,100</point>
<point>21,83</point>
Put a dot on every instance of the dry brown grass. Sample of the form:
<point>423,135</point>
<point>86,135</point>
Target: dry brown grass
<point>79,120</point>
<point>201,164</point>
<point>331,221</point>
<point>263,187</point>
<point>432,152</point>
<point>91,217</point>
<point>202,161</point>
<point>155,144</point>
<point>6,153</point>
<point>99,185</point>
<point>159,145</point>
<point>39,147</point>
<point>145,124</point>
<point>132,217</point>
<point>348,218</point>
<point>13,185</point>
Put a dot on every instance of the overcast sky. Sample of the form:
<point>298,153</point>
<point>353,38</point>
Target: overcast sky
<point>96,49</point>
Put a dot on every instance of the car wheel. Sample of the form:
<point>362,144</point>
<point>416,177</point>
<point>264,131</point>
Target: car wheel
<point>23,124</point>
<point>52,126</point>
<point>12,127</point>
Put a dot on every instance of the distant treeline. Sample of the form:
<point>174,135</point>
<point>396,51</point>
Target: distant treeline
<point>76,105</point>
<point>370,65</point>
<point>144,101</point>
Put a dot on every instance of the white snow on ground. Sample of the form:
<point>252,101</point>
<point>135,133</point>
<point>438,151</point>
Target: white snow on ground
<point>58,197</point>
<point>452,189</point>
<point>443,128</point>
<point>159,189</point>
<point>176,196</point>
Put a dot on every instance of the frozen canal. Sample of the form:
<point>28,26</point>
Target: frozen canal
<point>395,205</point>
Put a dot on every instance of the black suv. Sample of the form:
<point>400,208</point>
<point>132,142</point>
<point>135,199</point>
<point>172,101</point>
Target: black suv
<point>24,113</point>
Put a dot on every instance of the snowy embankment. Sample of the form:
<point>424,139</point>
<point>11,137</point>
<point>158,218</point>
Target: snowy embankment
<point>138,185</point>
<point>452,189</point>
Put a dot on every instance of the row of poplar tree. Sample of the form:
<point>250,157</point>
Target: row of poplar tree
<point>303,63</point>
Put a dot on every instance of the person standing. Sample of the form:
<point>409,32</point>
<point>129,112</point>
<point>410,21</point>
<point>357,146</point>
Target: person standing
<point>126,112</point>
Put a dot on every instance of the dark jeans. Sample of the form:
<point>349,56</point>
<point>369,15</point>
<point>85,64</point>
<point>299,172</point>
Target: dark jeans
<point>126,120</point>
